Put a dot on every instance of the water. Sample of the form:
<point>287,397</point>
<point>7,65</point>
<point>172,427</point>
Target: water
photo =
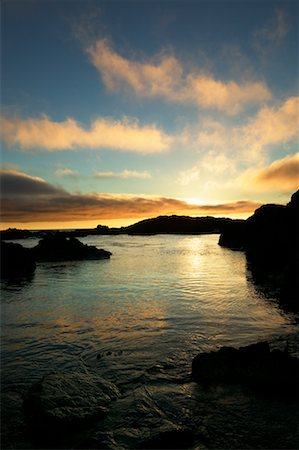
<point>138,318</point>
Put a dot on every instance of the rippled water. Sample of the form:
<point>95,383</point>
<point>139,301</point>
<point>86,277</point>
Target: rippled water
<point>142,315</point>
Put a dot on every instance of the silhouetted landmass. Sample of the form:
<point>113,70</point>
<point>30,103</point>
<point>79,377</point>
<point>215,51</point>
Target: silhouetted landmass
<point>255,365</point>
<point>270,239</point>
<point>14,233</point>
<point>158,225</point>
<point>16,261</point>
<point>177,225</point>
<point>57,247</point>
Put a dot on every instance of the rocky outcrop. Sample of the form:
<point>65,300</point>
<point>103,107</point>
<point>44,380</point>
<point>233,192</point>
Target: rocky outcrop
<point>66,402</point>
<point>270,239</point>
<point>57,247</point>
<point>16,261</point>
<point>232,235</point>
<point>254,365</point>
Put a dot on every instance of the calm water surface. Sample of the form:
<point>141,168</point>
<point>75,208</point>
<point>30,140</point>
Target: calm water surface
<point>159,298</point>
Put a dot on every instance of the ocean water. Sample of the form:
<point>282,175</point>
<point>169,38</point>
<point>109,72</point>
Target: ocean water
<point>137,319</point>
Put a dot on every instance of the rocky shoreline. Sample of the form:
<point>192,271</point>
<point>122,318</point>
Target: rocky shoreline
<point>269,239</point>
<point>17,261</point>
<point>225,403</point>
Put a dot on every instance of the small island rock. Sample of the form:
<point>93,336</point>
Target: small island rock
<point>58,247</point>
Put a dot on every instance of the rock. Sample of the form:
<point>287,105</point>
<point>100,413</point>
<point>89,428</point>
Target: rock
<point>63,402</point>
<point>14,233</point>
<point>170,439</point>
<point>270,240</point>
<point>254,365</point>
<point>58,247</point>
<point>232,235</point>
<point>16,261</point>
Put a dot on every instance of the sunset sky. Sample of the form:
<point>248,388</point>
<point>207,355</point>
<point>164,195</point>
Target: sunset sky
<point>115,111</point>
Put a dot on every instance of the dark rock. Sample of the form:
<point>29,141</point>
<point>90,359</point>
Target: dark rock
<point>270,240</point>
<point>63,402</point>
<point>16,261</point>
<point>170,439</point>
<point>14,233</point>
<point>254,365</point>
<point>232,235</point>
<point>58,247</point>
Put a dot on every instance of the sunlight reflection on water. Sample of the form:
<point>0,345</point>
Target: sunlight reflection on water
<point>157,298</point>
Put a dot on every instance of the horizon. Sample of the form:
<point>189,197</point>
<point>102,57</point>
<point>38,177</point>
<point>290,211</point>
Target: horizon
<point>116,112</point>
<point>120,224</point>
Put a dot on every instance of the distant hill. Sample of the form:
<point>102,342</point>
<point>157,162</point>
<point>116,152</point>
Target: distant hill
<point>178,225</point>
<point>158,225</point>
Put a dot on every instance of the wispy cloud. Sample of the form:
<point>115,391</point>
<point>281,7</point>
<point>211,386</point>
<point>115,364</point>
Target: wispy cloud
<point>31,199</point>
<point>65,172</point>
<point>124,174</point>
<point>45,134</point>
<point>273,32</point>
<point>164,76</point>
<point>210,165</point>
<point>270,126</point>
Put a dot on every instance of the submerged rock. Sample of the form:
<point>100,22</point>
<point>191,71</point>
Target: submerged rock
<point>254,365</point>
<point>65,401</point>
<point>16,261</point>
<point>58,247</point>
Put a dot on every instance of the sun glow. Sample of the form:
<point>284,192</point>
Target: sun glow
<point>193,200</point>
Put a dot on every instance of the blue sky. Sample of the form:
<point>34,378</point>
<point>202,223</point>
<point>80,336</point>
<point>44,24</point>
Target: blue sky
<point>131,109</point>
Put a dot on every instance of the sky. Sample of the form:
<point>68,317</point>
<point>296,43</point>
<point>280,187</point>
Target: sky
<point>115,111</point>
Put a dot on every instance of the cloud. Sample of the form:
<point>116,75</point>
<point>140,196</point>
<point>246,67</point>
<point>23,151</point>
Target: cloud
<point>274,31</point>
<point>65,172</point>
<point>123,175</point>
<point>281,175</point>
<point>31,199</point>
<point>215,164</point>
<point>270,126</point>
<point>248,142</point>
<point>16,183</point>
<point>45,134</point>
<point>164,76</point>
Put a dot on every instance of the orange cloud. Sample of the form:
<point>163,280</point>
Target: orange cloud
<point>282,174</point>
<point>164,77</point>
<point>248,142</point>
<point>45,134</point>
<point>270,126</point>
<point>27,199</point>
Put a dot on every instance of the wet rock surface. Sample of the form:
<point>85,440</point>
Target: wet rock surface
<point>254,365</point>
<point>58,247</point>
<point>84,411</point>
<point>64,403</point>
